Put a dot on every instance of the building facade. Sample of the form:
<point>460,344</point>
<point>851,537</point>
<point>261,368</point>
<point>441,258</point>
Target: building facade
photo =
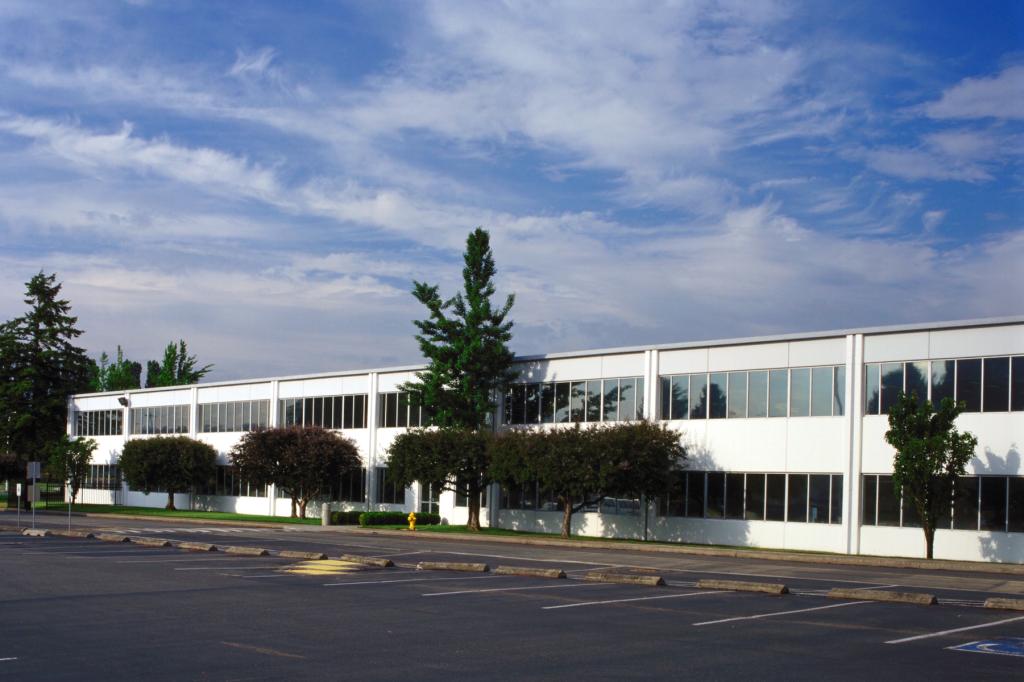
<point>785,437</point>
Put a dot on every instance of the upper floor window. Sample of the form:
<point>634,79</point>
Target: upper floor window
<point>161,419</point>
<point>399,409</point>
<point>592,400</point>
<point>982,384</point>
<point>330,412</point>
<point>99,423</point>
<point>241,415</point>
<point>796,392</point>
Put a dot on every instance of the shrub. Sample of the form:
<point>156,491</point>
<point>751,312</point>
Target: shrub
<point>345,518</point>
<point>397,518</point>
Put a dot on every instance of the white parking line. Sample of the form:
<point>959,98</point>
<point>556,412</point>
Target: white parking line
<point>949,632</point>
<point>12,658</point>
<point>781,613</point>
<point>619,601</point>
<point>415,580</point>
<point>224,568</point>
<point>511,589</point>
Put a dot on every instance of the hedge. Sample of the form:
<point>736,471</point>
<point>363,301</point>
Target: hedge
<point>345,518</point>
<point>397,518</point>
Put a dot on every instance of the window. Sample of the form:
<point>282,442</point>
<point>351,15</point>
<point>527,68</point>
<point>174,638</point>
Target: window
<point>993,501</point>
<point>229,483</point>
<point>775,505</point>
<point>996,395</point>
<point>246,415</point>
<point>1017,384</point>
<point>1015,504</point>
<point>943,382</point>
<point>872,389</point>
<point>673,502</point>
<point>965,503</point>
<point>820,490</point>
<point>351,486</point>
<point>821,391</point>
<point>579,401</point>
<point>160,419</point>
<point>734,496</point>
<point>836,514</point>
<point>698,396</point>
<point>888,503</point>
<point>968,384</point>
<point>717,392</point>
<point>715,495</point>
<point>397,409</point>
<point>757,394</point>
<point>430,495</point>
<point>754,498</point>
<point>778,393</point>
<point>99,423</point>
<point>796,509</point>
<point>799,392</point>
<point>681,397</point>
<point>916,380</point>
<point>737,394</point>
<point>102,477</point>
<point>869,501</point>
<point>695,493</point>
<point>892,384</point>
<point>388,492</point>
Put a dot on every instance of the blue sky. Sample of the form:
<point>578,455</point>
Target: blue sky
<point>266,182</point>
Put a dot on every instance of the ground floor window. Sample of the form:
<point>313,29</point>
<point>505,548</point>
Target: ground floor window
<point>387,491</point>
<point>994,503</point>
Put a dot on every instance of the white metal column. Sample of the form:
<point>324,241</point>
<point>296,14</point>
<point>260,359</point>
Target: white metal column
<point>852,434</point>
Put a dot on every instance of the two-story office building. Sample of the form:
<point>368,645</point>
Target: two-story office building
<point>785,436</point>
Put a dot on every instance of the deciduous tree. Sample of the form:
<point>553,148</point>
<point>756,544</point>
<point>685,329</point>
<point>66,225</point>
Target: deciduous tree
<point>177,369</point>
<point>69,460</point>
<point>173,464</point>
<point>120,375</point>
<point>303,461</point>
<point>930,455</point>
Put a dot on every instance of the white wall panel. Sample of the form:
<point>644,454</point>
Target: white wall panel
<point>818,352</point>
<point>959,343</point>
<point>225,394</point>
<point>754,356</point>
<point>567,369</point>
<point>889,347</point>
<point>626,365</point>
<point>683,361</point>
<point>325,386</point>
<point>815,444</point>
<point>175,397</point>
<point>390,382</point>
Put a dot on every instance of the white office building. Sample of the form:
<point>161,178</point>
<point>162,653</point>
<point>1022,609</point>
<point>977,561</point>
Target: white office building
<point>785,436</point>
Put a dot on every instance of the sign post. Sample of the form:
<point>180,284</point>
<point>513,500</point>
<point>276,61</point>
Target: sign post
<point>17,495</point>
<point>34,474</point>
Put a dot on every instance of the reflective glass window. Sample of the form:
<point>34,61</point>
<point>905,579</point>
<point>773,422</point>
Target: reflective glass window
<point>872,389</point>
<point>821,487</point>
<point>664,397</point>
<point>1017,384</point>
<point>307,412</point>
<point>1016,504</point>
<point>778,393</point>
<point>821,391</point>
<point>681,397</point>
<point>578,401</point>
<point>519,404</point>
<point>754,502</point>
<point>640,393</point>
<point>737,394</point>
<point>796,507</point>
<point>610,411</point>
<point>839,391</point>
<point>359,412</point>
<point>698,396</point>
<point>775,497</point>
<point>916,380</point>
<point>836,513</point>
<point>402,410</point>
<point>888,503</point>
<point>869,499</point>
<point>716,495</point>
<point>734,496</point>
<point>561,402</point>
<point>547,403</point>
<point>627,399</point>
<point>594,400</point>
<point>532,404</point>
<point>968,384</point>
<point>799,392</point>
<point>943,372</point>
<point>757,394</point>
<point>993,502</point>
<point>965,503</point>
<point>892,384</point>
<point>695,493</point>
<point>717,390</point>
<point>997,385</point>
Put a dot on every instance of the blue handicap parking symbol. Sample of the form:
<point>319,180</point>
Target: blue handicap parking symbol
<point>1007,646</point>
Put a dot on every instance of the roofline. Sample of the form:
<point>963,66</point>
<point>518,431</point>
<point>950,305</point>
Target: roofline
<point>622,350</point>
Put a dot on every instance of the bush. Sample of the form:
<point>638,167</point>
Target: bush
<point>345,518</point>
<point>397,518</point>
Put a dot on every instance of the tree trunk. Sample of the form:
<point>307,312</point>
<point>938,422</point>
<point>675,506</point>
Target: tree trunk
<point>566,516</point>
<point>293,508</point>
<point>474,510</point>
<point>302,508</point>
<point>170,500</point>
<point>929,540</point>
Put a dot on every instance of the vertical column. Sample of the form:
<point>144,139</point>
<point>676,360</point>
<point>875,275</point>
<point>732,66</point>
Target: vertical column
<point>852,427</point>
<point>371,447</point>
<point>651,360</point>
<point>193,411</point>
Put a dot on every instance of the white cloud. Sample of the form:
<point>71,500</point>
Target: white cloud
<point>932,219</point>
<point>1000,96</point>
<point>252,63</point>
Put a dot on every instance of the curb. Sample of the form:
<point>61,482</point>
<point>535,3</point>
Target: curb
<point>690,550</point>
<point>530,572</point>
<point>245,551</point>
<point>1004,603</point>
<point>151,542</point>
<point>295,554</point>
<point>197,546</point>
<point>112,537</point>
<point>35,532</point>
<point>624,579</point>
<point>367,560</point>
<point>743,586</point>
<point>452,566</point>
<point>919,598</point>
<point>73,534</point>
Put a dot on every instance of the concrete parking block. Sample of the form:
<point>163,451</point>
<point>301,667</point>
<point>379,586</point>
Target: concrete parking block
<point>151,542</point>
<point>84,534</point>
<point>743,586</point>
<point>624,578</point>
<point>294,554</point>
<point>35,532</point>
<point>452,566</point>
<point>112,537</point>
<point>530,572</point>
<point>919,598</point>
<point>367,560</point>
<point>197,546</point>
<point>1004,603</point>
<point>245,551</point>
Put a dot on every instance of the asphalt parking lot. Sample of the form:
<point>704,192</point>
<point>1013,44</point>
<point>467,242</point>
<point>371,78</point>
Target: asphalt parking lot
<point>86,609</point>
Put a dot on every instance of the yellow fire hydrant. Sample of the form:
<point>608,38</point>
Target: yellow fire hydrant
<point>412,520</point>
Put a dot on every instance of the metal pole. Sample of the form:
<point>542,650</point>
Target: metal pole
<point>67,492</point>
